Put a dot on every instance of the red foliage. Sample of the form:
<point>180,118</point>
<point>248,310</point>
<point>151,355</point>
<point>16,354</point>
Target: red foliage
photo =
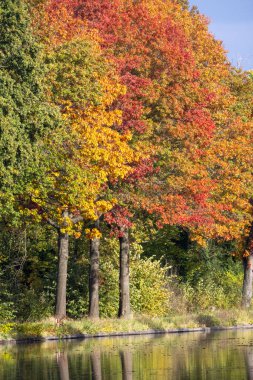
<point>173,71</point>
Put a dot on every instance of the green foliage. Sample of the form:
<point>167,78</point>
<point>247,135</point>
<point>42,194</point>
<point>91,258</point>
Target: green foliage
<point>202,278</point>
<point>25,115</point>
<point>148,287</point>
<point>109,292</point>
<point>27,278</point>
<point>171,246</point>
<point>34,306</point>
<point>73,67</point>
<point>6,329</point>
<point>148,291</point>
<point>29,330</point>
<point>149,294</point>
<point>212,285</point>
<point>7,311</point>
<point>7,307</point>
<point>27,262</point>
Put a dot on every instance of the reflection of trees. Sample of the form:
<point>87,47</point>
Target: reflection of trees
<point>249,363</point>
<point>126,364</point>
<point>212,356</point>
<point>63,365</point>
<point>95,358</point>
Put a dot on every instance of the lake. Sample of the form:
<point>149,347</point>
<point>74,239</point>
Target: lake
<point>219,355</point>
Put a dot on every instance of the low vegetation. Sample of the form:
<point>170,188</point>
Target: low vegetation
<point>76,328</point>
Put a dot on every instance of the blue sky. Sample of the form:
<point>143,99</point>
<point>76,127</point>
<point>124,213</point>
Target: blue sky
<point>232,22</point>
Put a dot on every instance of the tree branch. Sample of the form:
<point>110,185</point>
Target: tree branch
<point>52,223</point>
<point>77,219</point>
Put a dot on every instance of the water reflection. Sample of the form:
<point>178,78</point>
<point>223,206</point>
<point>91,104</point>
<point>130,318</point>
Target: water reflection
<point>249,362</point>
<point>63,365</point>
<point>126,364</point>
<point>209,356</point>
<point>95,358</point>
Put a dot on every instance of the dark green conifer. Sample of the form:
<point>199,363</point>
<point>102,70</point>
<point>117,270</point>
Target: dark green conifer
<point>25,115</point>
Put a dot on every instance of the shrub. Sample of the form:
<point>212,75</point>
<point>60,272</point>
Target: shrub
<point>216,288</point>
<point>33,306</point>
<point>149,291</point>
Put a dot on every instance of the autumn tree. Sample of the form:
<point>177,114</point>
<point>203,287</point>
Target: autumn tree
<point>160,58</point>
<point>90,151</point>
<point>233,153</point>
<point>146,39</point>
<point>242,86</point>
<point>203,129</point>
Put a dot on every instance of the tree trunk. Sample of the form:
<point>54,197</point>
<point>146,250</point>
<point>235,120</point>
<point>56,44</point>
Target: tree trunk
<point>94,277</point>
<point>248,272</point>
<point>61,294</point>
<point>124,287</point>
<point>247,281</point>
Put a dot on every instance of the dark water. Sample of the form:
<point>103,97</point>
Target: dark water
<point>212,356</point>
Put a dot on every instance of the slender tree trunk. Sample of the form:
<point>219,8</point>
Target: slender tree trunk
<point>94,277</point>
<point>61,294</point>
<point>248,272</point>
<point>247,281</point>
<point>124,283</point>
<point>63,365</point>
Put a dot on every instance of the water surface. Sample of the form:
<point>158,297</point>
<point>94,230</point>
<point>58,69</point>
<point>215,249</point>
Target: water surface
<point>187,356</point>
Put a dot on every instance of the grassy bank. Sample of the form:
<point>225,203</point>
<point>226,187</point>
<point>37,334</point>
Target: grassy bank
<point>48,328</point>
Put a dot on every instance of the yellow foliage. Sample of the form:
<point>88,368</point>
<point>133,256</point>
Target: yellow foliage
<point>91,149</point>
<point>246,253</point>
<point>200,240</point>
<point>92,233</point>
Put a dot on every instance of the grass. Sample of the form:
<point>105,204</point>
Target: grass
<point>48,328</point>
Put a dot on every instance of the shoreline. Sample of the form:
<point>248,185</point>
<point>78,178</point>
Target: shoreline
<point>41,339</point>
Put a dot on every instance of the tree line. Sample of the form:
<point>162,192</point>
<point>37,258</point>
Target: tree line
<point>118,116</point>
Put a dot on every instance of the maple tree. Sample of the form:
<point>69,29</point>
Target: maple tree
<point>91,153</point>
<point>145,40</point>
<point>132,107</point>
<point>229,161</point>
<point>234,174</point>
<point>242,87</point>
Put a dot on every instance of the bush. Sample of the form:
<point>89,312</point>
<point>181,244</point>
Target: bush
<point>208,320</point>
<point>149,291</point>
<point>6,329</point>
<point>33,306</point>
<point>7,312</point>
<point>218,287</point>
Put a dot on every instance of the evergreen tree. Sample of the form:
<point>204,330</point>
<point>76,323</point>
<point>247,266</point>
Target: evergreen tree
<point>25,116</point>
